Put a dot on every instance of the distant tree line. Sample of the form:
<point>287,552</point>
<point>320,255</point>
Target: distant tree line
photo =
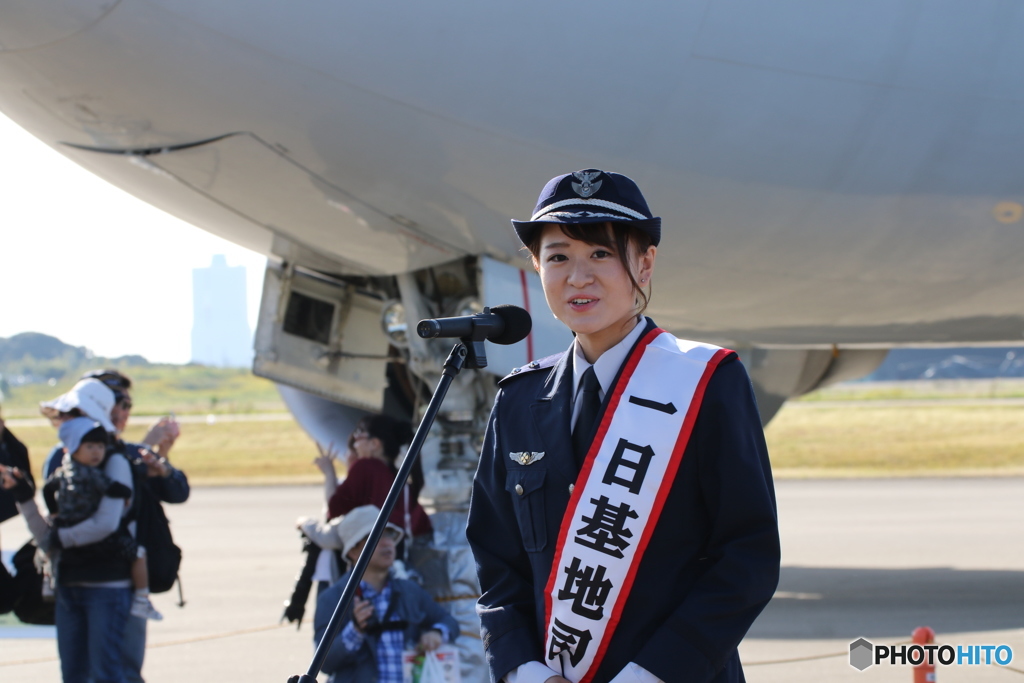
<point>951,363</point>
<point>36,358</point>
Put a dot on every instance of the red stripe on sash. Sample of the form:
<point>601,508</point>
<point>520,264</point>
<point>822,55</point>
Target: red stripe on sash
<point>588,465</point>
<point>659,504</point>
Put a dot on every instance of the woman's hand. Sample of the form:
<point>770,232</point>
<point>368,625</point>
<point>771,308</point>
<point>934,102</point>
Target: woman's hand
<point>361,613</point>
<point>325,462</point>
<point>350,457</point>
<point>162,435</point>
<point>155,465</point>
<point>430,641</point>
<point>14,480</point>
<point>6,478</point>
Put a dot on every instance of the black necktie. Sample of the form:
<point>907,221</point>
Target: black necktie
<point>586,421</point>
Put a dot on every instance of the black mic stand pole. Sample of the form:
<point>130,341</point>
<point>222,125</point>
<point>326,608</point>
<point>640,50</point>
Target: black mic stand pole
<point>452,365</point>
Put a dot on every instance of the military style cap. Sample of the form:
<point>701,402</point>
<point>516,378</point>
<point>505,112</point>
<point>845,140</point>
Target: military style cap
<point>590,196</point>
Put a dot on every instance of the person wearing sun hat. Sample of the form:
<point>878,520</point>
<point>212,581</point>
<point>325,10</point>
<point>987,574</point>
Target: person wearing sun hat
<point>387,613</point>
<point>93,587</point>
<point>88,398</point>
<point>623,515</point>
<point>163,483</point>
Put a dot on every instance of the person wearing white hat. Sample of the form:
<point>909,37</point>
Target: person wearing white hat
<point>388,614</point>
<point>163,482</point>
<point>88,398</point>
<point>94,590</point>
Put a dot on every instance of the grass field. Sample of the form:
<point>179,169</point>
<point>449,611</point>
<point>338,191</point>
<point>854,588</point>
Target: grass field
<point>894,440</point>
<point>858,429</point>
<point>1002,387</point>
<point>159,389</point>
<point>222,452</point>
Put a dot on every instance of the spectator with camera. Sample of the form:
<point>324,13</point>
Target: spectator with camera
<point>388,614</point>
<point>93,580</point>
<point>372,460</point>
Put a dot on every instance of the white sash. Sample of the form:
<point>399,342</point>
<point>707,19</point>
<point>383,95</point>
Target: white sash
<point>619,495</point>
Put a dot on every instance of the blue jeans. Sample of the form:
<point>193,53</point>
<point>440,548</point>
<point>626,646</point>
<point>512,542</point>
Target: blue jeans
<point>90,626</point>
<point>133,649</point>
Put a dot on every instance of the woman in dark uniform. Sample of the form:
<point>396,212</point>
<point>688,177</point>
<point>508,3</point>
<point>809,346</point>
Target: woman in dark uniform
<point>623,515</point>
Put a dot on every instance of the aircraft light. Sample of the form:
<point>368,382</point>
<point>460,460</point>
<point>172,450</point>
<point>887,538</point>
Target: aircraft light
<point>393,322</point>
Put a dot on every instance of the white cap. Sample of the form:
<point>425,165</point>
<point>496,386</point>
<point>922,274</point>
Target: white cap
<point>91,396</point>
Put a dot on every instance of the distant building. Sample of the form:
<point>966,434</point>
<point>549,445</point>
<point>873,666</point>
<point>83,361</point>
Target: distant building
<point>220,328</point>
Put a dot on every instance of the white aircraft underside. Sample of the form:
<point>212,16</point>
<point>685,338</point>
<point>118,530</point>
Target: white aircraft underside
<point>833,177</point>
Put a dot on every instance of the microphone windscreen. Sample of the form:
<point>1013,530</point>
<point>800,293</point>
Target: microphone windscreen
<point>517,324</point>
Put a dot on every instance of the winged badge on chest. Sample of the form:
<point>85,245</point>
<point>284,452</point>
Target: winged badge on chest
<point>526,457</point>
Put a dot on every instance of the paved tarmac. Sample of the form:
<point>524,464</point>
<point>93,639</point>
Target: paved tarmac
<point>871,558</point>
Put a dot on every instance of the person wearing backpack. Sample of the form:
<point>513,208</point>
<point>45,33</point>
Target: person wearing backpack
<point>75,491</point>
<point>93,576</point>
<point>156,482</point>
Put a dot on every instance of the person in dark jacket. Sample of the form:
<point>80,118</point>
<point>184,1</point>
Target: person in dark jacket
<point>623,515</point>
<point>164,484</point>
<point>94,587</point>
<point>12,454</point>
<point>373,449</point>
<point>387,616</point>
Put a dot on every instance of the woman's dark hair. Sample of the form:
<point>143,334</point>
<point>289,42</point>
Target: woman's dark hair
<point>393,434</point>
<point>114,380</point>
<point>618,237</point>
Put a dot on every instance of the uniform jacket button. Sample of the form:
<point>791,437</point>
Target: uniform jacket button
<point>519,489</point>
<point>571,487</point>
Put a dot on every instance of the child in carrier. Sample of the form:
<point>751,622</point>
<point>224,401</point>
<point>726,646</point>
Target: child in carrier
<point>75,490</point>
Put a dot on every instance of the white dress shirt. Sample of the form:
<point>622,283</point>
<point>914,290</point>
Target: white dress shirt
<point>605,368</point>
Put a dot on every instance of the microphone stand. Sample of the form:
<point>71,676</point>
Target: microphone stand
<point>455,362</point>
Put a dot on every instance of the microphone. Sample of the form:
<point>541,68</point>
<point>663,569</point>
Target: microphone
<point>505,324</point>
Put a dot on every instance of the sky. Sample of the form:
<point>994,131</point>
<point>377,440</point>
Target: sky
<point>88,263</point>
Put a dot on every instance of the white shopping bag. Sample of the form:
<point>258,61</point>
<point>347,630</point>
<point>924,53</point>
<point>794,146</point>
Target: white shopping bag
<point>439,666</point>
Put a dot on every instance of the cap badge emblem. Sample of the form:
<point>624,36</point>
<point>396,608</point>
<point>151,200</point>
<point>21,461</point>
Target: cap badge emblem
<point>586,185</point>
<point>526,457</point>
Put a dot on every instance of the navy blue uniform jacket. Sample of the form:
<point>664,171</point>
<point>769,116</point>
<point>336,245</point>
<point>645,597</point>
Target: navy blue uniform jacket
<point>713,560</point>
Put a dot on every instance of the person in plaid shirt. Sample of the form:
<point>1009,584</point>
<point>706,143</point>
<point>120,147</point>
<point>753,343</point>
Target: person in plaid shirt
<point>388,614</point>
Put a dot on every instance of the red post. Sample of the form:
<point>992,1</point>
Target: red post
<point>924,672</point>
